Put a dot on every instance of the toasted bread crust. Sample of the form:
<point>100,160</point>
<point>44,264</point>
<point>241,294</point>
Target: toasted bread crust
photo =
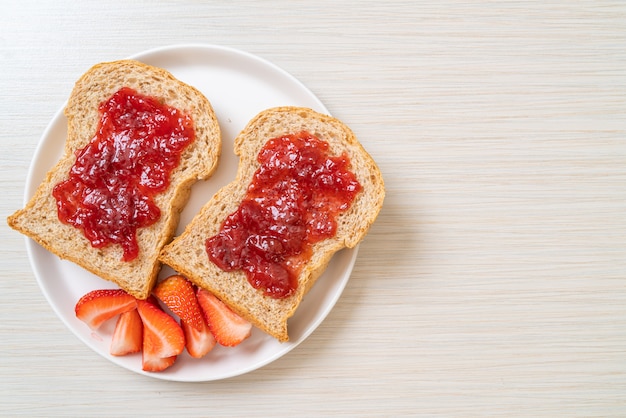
<point>187,253</point>
<point>38,219</point>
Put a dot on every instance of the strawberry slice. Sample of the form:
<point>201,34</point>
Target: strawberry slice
<point>98,306</point>
<point>128,334</point>
<point>228,328</point>
<point>162,336</point>
<point>198,343</point>
<point>178,294</point>
<point>152,363</point>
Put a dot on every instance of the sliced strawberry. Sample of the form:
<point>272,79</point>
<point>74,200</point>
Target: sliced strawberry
<point>228,328</point>
<point>178,294</point>
<point>98,306</point>
<point>128,334</point>
<point>198,343</point>
<point>152,363</point>
<point>162,336</point>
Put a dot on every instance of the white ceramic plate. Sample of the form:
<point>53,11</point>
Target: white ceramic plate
<point>239,85</point>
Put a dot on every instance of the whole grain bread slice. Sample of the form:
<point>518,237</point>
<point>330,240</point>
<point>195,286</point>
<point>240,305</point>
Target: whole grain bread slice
<point>39,219</point>
<point>187,252</point>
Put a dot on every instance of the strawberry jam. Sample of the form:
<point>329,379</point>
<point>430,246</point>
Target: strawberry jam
<point>291,203</point>
<point>111,187</point>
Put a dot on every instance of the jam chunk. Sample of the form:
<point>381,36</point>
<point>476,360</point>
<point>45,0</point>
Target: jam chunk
<point>292,203</point>
<point>110,190</point>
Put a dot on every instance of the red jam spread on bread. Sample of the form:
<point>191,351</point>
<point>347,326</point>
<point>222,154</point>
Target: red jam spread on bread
<point>291,203</point>
<point>111,187</point>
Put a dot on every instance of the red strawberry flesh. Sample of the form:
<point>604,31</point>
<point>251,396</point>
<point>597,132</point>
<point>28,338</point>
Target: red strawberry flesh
<point>198,343</point>
<point>98,306</point>
<point>151,363</point>
<point>128,334</point>
<point>228,328</point>
<point>162,336</point>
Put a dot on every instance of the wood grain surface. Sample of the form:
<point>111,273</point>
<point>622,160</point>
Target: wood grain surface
<point>493,282</point>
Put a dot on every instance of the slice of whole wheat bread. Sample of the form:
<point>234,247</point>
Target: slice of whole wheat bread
<point>39,219</point>
<point>187,253</point>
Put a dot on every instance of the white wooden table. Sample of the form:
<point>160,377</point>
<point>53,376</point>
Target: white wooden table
<point>493,282</point>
